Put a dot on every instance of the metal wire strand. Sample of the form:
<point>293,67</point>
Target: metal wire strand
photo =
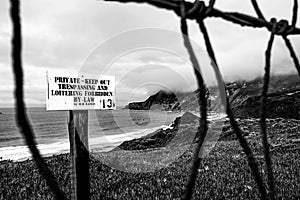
<point>210,6</point>
<point>295,13</point>
<point>263,126</point>
<point>292,53</point>
<point>243,142</point>
<point>195,9</point>
<point>202,129</point>
<point>234,17</point>
<point>179,7</point>
<point>21,115</point>
<point>257,9</point>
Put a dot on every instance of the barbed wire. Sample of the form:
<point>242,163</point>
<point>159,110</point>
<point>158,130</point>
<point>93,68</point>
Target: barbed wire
<point>202,129</point>
<point>198,11</point>
<point>185,10</point>
<point>21,116</point>
<point>208,11</point>
<point>292,53</point>
<point>263,124</point>
<point>257,10</point>
<point>242,140</point>
<point>295,13</point>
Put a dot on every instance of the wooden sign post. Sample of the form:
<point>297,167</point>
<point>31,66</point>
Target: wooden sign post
<point>79,93</point>
<point>79,152</point>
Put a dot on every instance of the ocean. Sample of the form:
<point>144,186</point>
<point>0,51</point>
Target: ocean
<point>107,129</point>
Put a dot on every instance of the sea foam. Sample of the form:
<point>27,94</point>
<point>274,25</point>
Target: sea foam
<point>99,144</point>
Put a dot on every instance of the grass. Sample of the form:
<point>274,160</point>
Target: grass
<point>161,173</point>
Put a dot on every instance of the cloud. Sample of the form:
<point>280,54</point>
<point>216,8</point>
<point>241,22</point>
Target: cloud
<point>95,36</point>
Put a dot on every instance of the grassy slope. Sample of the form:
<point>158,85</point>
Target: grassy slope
<point>223,173</point>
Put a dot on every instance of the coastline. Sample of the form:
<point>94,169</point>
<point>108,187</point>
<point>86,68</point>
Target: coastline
<point>52,134</point>
<point>225,163</point>
<point>98,144</point>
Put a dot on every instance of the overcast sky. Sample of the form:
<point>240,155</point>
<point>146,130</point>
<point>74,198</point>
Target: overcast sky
<point>137,43</point>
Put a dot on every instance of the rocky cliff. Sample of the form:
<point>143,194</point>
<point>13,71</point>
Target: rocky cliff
<point>283,97</point>
<point>244,97</point>
<point>182,132</point>
<point>162,100</point>
<point>168,101</point>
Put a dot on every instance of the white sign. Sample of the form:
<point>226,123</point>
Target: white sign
<point>78,91</point>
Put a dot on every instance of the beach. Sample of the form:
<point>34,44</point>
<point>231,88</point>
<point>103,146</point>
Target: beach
<point>107,129</point>
<point>135,171</point>
<point>224,173</point>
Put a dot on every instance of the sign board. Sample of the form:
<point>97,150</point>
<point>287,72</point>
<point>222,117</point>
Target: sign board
<point>79,91</point>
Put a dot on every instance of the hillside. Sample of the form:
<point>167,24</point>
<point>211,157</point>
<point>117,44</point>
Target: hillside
<point>162,100</point>
<point>181,132</point>
<point>283,97</point>
<point>244,97</point>
<point>168,101</point>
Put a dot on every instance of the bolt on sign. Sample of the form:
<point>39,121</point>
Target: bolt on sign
<point>79,91</point>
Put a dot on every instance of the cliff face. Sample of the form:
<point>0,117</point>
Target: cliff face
<point>182,132</point>
<point>160,101</point>
<point>168,101</point>
<point>283,97</point>
<point>285,104</point>
<point>244,97</point>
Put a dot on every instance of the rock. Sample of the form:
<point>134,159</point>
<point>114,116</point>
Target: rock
<point>162,100</point>
<point>189,118</point>
<point>244,97</point>
<point>163,137</point>
<point>283,98</point>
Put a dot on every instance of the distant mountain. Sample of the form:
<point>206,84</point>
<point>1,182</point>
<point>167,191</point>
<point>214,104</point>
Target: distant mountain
<point>168,101</point>
<point>162,100</point>
<point>244,98</point>
<point>283,97</point>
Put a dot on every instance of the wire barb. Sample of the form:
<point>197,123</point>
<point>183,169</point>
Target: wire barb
<point>210,7</point>
<point>197,8</point>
